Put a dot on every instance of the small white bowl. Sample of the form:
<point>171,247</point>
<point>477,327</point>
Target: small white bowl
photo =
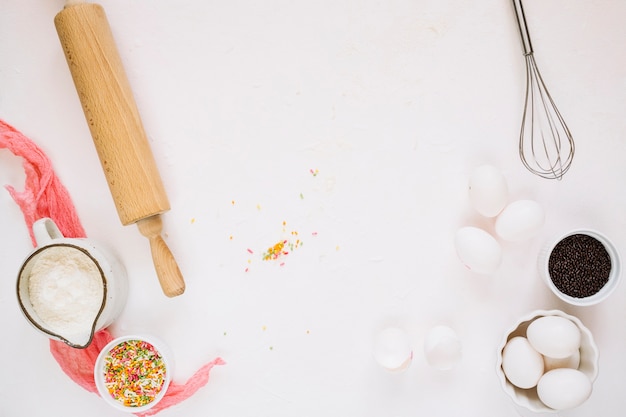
<point>528,398</point>
<point>164,364</point>
<point>607,289</point>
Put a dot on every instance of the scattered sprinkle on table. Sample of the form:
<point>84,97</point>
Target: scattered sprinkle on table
<point>134,373</point>
<point>276,251</point>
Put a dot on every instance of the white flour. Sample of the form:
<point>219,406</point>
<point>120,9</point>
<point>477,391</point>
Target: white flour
<point>66,292</point>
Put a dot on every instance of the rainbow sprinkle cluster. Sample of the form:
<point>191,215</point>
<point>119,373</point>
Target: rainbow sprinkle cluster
<point>134,373</point>
<point>276,251</point>
<point>282,248</point>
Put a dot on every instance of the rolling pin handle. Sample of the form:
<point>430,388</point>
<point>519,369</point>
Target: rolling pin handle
<point>170,277</point>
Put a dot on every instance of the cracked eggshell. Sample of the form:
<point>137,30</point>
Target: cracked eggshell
<point>392,349</point>
<point>478,250</point>
<point>488,190</point>
<point>442,348</point>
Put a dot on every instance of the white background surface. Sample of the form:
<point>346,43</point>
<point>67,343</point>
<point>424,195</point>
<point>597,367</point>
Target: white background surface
<point>394,103</point>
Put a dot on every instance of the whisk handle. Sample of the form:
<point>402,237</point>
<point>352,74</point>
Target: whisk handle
<point>523,27</point>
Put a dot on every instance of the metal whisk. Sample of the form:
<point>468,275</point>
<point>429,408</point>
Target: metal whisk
<point>546,146</point>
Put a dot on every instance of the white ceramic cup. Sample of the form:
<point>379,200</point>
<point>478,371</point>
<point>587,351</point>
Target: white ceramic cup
<point>607,289</point>
<point>111,276</point>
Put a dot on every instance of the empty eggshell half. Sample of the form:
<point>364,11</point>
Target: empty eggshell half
<point>392,349</point>
<point>442,348</point>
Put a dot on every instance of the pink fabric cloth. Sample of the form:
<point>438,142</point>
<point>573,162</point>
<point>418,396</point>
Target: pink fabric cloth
<point>45,196</point>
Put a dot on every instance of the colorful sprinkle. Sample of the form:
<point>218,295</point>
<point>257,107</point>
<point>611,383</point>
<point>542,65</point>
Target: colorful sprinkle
<point>282,248</point>
<point>314,172</point>
<point>134,373</point>
<point>276,251</point>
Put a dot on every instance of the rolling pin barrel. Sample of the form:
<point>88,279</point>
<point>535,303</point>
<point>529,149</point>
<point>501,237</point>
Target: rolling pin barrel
<point>117,130</point>
<point>111,112</point>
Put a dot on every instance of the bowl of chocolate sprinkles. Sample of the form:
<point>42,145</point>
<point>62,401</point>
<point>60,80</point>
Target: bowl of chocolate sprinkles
<point>582,267</point>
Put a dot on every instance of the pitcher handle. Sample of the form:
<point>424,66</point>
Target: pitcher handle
<point>45,231</point>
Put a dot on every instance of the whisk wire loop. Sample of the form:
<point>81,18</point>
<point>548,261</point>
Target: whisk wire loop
<point>546,145</point>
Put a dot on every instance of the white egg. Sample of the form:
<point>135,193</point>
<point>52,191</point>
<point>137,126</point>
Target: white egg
<point>488,190</point>
<point>442,348</point>
<point>520,220</point>
<point>478,250</point>
<point>572,361</point>
<point>522,365</point>
<point>554,336</point>
<point>392,349</point>
<point>564,388</point>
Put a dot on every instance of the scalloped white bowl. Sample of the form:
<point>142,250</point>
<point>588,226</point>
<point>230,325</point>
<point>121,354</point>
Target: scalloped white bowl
<point>528,398</point>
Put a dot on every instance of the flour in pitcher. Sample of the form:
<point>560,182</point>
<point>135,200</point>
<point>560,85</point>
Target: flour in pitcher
<point>66,291</point>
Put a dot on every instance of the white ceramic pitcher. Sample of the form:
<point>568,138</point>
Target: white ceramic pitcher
<point>84,291</point>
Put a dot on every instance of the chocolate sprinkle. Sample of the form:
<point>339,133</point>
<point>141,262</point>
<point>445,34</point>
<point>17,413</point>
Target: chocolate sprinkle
<point>579,265</point>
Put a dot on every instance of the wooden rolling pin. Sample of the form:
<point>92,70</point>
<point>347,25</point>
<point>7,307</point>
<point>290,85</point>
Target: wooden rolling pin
<point>117,130</point>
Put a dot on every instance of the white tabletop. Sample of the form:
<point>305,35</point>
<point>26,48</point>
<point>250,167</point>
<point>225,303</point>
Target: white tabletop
<point>355,125</point>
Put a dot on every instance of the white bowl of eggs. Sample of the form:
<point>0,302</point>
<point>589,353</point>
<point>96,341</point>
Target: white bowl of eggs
<point>548,361</point>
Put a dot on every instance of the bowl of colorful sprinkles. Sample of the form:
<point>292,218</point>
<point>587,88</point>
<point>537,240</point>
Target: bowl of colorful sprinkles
<point>132,373</point>
<point>581,267</point>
